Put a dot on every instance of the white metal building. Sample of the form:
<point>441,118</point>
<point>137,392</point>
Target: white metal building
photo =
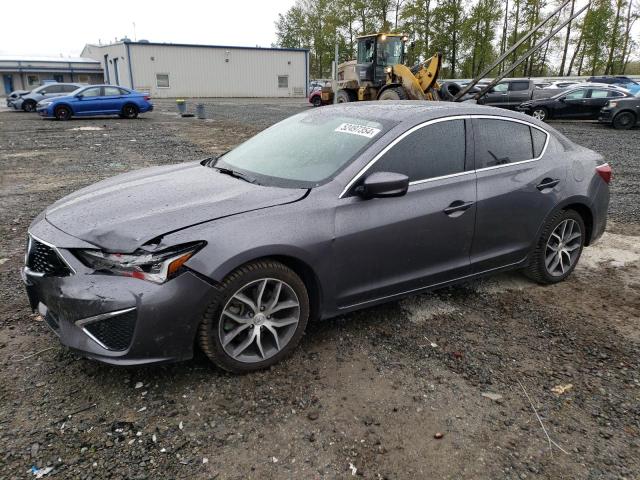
<point>170,70</point>
<point>27,73</point>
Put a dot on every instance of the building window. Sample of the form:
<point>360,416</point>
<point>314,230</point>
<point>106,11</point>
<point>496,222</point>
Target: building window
<point>162,80</point>
<point>33,80</point>
<point>83,78</point>
<point>283,81</point>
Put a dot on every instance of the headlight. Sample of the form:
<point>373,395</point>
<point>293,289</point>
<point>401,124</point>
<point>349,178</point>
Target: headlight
<point>387,69</point>
<point>157,267</point>
<point>612,104</point>
<point>44,103</point>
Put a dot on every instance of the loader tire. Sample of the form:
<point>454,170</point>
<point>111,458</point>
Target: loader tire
<point>345,96</point>
<point>394,93</point>
<point>448,90</point>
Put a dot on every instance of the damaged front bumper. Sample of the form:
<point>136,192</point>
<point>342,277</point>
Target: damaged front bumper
<point>117,320</point>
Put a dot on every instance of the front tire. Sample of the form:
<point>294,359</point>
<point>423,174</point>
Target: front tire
<point>317,101</point>
<point>62,113</point>
<point>29,106</point>
<point>130,111</point>
<point>558,249</point>
<point>624,121</point>
<point>345,96</point>
<point>393,93</point>
<point>257,318</point>
<point>540,113</point>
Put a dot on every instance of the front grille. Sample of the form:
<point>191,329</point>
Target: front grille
<point>115,333</point>
<point>42,258</point>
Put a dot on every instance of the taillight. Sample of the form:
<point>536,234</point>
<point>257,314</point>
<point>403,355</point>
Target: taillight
<point>605,172</point>
<point>147,98</point>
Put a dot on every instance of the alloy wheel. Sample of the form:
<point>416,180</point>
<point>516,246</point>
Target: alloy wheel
<point>259,320</point>
<point>563,247</point>
<point>539,114</point>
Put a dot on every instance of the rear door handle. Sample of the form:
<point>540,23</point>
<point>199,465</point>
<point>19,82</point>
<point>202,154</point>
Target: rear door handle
<point>547,183</point>
<point>457,207</point>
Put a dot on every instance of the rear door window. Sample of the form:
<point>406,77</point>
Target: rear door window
<point>519,86</point>
<point>539,138</point>
<point>432,151</point>
<point>500,142</point>
<point>599,93</point>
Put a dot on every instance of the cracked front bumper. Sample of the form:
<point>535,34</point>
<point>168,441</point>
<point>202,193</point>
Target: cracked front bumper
<point>117,320</point>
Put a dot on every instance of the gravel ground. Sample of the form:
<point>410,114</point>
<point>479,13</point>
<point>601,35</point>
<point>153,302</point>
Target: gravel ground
<point>365,394</point>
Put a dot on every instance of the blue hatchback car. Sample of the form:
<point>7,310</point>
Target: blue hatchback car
<point>96,100</point>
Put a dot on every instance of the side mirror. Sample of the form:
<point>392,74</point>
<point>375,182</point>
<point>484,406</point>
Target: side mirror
<point>383,184</point>
<point>79,96</point>
<point>562,99</point>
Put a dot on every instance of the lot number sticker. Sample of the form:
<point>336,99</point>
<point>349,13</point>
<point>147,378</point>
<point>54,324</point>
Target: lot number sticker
<point>361,130</point>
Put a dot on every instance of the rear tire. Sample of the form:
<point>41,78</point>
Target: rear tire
<point>130,111</point>
<point>345,96</point>
<point>62,113</point>
<point>29,106</point>
<point>540,113</point>
<point>317,101</point>
<point>624,121</point>
<point>393,93</point>
<point>257,317</point>
<point>558,249</point>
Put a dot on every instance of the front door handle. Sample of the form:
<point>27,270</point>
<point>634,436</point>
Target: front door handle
<point>547,183</point>
<point>457,208</point>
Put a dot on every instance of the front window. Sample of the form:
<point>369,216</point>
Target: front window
<point>575,95</point>
<point>91,92</point>
<point>304,150</point>
<point>501,87</point>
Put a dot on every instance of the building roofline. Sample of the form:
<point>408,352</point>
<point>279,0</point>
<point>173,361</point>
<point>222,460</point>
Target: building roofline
<point>31,60</point>
<point>197,45</point>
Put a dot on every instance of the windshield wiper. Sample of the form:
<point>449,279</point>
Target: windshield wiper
<point>235,174</point>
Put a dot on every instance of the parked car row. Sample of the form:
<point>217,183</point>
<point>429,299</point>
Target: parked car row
<point>611,100</point>
<point>63,101</point>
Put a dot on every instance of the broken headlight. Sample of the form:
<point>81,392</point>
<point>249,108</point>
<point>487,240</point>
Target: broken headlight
<point>157,267</point>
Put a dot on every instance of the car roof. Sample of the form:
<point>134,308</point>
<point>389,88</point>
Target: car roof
<point>418,111</point>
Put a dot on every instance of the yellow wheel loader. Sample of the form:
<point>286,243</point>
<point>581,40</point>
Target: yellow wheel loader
<point>379,73</point>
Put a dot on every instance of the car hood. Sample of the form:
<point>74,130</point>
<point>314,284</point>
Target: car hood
<point>122,213</point>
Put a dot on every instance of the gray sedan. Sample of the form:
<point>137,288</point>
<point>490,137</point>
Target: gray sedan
<point>29,101</point>
<point>326,212</point>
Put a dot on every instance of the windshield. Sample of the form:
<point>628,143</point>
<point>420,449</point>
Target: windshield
<point>304,150</point>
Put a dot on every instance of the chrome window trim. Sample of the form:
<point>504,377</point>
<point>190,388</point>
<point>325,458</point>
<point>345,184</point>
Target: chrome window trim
<point>73,270</point>
<point>445,119</point>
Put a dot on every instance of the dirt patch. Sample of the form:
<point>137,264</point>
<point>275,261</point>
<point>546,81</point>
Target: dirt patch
<point>366,393</point>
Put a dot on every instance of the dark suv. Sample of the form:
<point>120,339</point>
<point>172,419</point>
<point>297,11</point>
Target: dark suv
<point>622,113</point>
<point>618,79</point>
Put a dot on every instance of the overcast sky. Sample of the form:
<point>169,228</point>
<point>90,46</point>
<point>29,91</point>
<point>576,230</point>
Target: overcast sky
<point>66,30</point>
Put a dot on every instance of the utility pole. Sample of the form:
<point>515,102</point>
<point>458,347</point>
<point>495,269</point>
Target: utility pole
<point>335,74</point>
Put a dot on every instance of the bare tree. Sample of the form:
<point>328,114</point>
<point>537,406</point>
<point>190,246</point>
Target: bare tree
<point>566,41</point>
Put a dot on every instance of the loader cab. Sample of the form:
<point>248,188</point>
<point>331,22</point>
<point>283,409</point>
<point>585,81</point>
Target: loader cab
<point>376,52</point>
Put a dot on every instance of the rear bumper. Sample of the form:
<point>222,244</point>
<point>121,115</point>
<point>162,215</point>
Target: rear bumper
<point>599,210</point>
